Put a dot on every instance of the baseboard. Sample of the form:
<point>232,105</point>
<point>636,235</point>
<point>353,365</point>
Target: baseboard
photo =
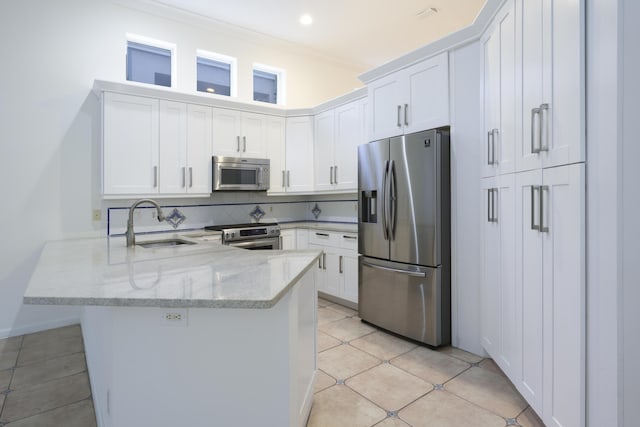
<point>38,327</point>
<point>338,300</point>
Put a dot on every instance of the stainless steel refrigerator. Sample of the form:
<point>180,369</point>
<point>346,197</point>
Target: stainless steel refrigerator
<point>404,235</point>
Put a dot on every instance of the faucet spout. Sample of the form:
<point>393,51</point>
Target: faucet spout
<point>130,235</point>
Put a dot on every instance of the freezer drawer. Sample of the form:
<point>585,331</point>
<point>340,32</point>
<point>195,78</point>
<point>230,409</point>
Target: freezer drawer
<point>406,299</point>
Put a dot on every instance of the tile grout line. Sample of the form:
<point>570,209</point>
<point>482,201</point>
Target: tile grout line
<point>90,397</point>
<point>54,357</point>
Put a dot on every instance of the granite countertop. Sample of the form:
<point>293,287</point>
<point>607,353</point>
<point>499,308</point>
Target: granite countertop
<point>103,271</point>
<point>341,227</point>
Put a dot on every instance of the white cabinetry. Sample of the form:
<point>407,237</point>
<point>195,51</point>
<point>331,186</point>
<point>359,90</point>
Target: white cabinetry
<point>295,173</point>
<point>129,144</point>
<point>155,147</point>
<point>550,257</point>
<point>185,148</point>
<point>276,152</point>
<point>499,47</point>
<point>337,273</point>
<point>499,296</point>
<point>410,100</point>
<point>338,132</point>
<point>553,76</point>
<point>239,133</point>
<point>288,239</point>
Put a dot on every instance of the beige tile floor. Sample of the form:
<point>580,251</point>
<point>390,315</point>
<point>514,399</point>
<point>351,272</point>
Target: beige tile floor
<point>366,378</point>
<point>371,378</point>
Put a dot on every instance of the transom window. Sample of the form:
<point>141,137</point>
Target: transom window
<point>268,84</point>
<point>216,73</point>
<point>150,61</point>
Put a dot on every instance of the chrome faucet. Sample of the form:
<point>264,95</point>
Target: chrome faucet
<point>131,237</point>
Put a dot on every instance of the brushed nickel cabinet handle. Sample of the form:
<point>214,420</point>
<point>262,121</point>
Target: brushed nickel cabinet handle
<point>406,114</point>
<point>283,178</point>
<point>340,265</point>
<point>544,127</point>
<point>331,175</point>
<point>238,143</point>
<point>399,108</point>
<point>184,177</point>
<point>155,176</point>
<point>543,229</point>
<point>324,260</point>
<point>335,174</point>
<point>244,144</point>
<point>533,209</point>
<point>190,177</point>
<point>534,112</point>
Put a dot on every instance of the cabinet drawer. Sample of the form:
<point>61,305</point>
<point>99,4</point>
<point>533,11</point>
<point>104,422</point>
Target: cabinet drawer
<point>325,238</point>
<point>348,241</point>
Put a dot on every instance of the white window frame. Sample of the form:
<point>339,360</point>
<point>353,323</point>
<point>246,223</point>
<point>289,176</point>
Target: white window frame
<point>281,98</point>
<point>135,38</point>
<point>233,70</point>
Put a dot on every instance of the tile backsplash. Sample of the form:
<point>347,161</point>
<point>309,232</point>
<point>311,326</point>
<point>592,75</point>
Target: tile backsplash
<point>199,216</point>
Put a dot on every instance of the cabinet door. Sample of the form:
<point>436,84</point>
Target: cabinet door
<point>227,129</point>
<point>509,351</point>
<point>324,127</point>
<point>426,103</point>
<point>386,96</point>
<point>500,95</point>
<point>491,100</point>
<point>350,276</point>
<point>173,147</point>
<point>490,276</point>
<point>299,145</point>
<point>288,239</point>
<point>564,82</point>
<point>254,142</point>
<point>199,147</point>
<point>553,96</point>
<point>276,153</point>
<point>320,271</point>
<point>563,217</point>
<point>335,279</point>
<point>529,269</point>
<point>348,135</point>
<point>302,238</point>
<point>130,144</point>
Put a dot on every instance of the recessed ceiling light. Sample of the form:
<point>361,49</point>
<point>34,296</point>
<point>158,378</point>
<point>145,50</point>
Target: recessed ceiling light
<point>426,12</point>
<point>306,19</point>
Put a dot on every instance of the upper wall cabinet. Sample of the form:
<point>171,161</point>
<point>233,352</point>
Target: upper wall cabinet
<point>338,132</point>
<point>499,93</point>
<point>155,147</point>
<point>553,76</point>
<point>410,100</point>
<point>292,158</point>
<point>239,133</point>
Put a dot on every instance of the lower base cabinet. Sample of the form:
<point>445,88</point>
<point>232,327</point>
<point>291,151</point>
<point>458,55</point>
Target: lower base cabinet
<point>534,320</point>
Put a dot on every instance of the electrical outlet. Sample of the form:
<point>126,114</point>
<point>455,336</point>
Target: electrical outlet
<point>175,317</point>
<point>96,215</point>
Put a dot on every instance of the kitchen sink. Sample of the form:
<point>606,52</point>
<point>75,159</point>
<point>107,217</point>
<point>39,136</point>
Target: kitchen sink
<point>164,243</point>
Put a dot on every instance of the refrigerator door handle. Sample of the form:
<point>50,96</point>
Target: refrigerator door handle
<point>385,229</point>
<point>393,200</point>
<point>396,270</point>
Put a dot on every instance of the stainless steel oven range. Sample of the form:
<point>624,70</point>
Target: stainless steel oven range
<point>255,236</point>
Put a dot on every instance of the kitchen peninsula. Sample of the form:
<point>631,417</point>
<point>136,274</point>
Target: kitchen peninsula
<point>191,334</point>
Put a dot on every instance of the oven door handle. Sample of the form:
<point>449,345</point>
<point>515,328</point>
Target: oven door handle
<point>247,244</point>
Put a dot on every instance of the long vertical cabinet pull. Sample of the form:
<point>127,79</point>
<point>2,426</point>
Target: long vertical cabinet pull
<point>340,270</point>
<point>398,122</point>
<point>331,175</point>
<point>491,205</point>
<point>283,178</point>
<point>324,260</point>
<point>491,146</point>
<point>184,177</point>
<point>335,174</point>
<point>288,181</point>
<point>155,176</point>
<point>543,134</point>
<point>190,177</point>
<point>238,143</point>
<point>543,129</point>
<point>535,112</point>
<point>543,188</point>
<point>489,136</point>
<point>489,192</point>
<point>534,188</point>
<point>244,144</point>
<point>406,114</point>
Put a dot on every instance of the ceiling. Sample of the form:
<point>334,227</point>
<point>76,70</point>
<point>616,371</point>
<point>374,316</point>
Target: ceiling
<point>365,33</point>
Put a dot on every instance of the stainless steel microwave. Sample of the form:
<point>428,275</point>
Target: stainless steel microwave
<point>237,173</point>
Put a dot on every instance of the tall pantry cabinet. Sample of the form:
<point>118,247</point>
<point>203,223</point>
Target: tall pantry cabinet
<point>533,190</point>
